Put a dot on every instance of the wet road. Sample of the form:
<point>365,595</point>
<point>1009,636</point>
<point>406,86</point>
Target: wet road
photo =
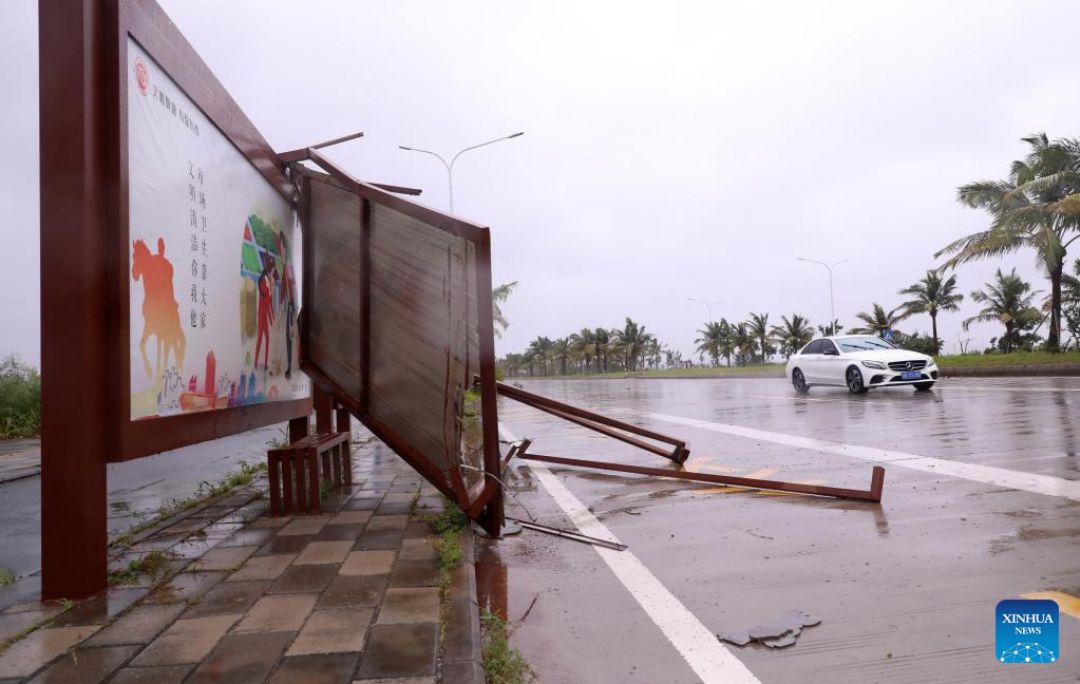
<point>981,503</point>
<point>137,490</point>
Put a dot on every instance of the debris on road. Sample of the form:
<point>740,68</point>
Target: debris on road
<point>780,632</point>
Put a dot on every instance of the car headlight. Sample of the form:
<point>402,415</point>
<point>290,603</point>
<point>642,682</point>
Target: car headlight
<point>930,363</point>
<point>874,364</point>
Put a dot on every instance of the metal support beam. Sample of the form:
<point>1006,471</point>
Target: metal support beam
<point>877,480</point>
<point>596,421</point>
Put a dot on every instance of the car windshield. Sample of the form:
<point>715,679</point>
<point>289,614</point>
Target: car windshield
<point>854,344</point>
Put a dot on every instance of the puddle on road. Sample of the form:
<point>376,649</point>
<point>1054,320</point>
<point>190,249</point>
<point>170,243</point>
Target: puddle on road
<point>491,580</point>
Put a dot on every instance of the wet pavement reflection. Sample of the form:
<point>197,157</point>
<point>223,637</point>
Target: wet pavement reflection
<point>905,590</point>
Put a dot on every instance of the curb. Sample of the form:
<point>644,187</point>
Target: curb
<point>462,660</point>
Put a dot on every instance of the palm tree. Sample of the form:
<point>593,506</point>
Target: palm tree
<point>794,334</point>
<point>759,328</point>
<point>879,320</point>
<point>710,341</point>
<point>1070,303</point>
<point>726,340</point>
<point>541,349</point>
<point>1007,299</point>
<point>1038,206</point>
<point>561,349</point>
<point>602,339</point>
<point>498,296</point>
<point>830,329</point>
<point>584,343</point>
<point>634,340</point>
<point>744,342</point>
<point>932,295</point>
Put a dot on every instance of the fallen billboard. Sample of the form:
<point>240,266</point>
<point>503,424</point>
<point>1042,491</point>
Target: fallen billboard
<point>397,324</point>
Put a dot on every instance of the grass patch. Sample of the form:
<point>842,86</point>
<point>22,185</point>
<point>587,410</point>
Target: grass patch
<point>7,576</point>
<point>153,564</point>
<point>20,399</point>
<point>448,548</point>
<point>503,664</point>
<point>451,519</point>
<point>1011,359</point>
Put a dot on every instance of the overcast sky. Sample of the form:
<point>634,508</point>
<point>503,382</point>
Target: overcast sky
<point>670,150</point>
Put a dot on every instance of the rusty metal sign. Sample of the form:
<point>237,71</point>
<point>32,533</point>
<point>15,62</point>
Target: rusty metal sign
<point>397,325</point>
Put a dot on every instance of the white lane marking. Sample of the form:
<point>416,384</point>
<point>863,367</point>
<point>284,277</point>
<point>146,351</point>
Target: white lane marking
<point>709,659</point>
<point>999,477</point>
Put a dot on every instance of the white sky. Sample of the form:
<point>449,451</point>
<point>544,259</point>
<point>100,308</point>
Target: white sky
<point>671,150</point>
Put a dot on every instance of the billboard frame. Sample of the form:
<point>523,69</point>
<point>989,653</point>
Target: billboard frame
<point>85,283</point>
<point>484,502</point>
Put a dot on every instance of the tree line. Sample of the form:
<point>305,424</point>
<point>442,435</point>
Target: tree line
<point>1035,207</point>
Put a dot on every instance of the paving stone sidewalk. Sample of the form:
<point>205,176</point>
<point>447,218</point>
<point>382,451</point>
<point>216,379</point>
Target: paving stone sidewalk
<point>348,596</point>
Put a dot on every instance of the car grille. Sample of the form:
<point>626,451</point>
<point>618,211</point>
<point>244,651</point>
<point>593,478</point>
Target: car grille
<point>907,365</point>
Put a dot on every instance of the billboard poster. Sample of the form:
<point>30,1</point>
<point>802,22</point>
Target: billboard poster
<point>214,261</point>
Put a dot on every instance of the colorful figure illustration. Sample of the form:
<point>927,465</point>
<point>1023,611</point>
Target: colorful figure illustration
<point>288,299</point>
<point>161,313</point>
<point>266,313</point>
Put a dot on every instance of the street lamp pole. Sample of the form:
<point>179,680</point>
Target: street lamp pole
<point>832,301</point>
<point>450,165</point>
<point>708,305</point>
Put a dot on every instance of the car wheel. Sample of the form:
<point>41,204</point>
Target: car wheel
<point>923,386</point>
<point>854,381</point>
<point>799,382</point>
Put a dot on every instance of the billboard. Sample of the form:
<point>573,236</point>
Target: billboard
<point>393,322</point>
<point>214,261</point>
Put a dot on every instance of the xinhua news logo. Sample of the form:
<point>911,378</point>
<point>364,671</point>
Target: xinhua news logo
<point>1027,632</point>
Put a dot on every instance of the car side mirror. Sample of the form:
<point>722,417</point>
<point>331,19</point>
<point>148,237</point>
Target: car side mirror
<point>831,352</point>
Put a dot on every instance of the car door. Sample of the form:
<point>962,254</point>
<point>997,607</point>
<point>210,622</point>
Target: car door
<point>810,361</point>
<point>830,364</point>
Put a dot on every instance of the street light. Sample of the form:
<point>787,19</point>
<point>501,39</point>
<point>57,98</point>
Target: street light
<point>832,301</point>
<point>708,305</point>
<point>450,166</point>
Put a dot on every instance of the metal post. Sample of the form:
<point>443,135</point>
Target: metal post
<point>832,302</point>
<point>74,296</point>
<point>708,306</point>
<point>450,165</point>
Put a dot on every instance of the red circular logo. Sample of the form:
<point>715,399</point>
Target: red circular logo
<point>142,76</point>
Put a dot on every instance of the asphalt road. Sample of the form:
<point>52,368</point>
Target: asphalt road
<point>981,503</point>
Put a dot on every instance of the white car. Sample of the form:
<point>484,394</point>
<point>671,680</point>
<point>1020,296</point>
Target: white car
<point>860,363</point>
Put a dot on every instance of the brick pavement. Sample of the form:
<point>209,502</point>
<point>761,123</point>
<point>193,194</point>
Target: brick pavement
<point>348,596</point>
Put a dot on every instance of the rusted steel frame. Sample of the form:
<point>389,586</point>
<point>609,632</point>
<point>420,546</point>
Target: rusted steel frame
<point>77,74</point>
<point>292,158</point>
<point>615,434</point>
<point>493,519</point>
<point>302,153</point>
<point>516,450</point>
<point>365,305</point>
<point>872,494</point>
<point>150,26</point>
<point>436,219</point>
<point>557,407</point>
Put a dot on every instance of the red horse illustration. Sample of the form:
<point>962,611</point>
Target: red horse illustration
<point>161,313</point>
